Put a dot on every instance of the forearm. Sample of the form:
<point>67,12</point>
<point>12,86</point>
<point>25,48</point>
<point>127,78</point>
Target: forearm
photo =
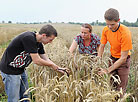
<point>44,57</point>
<point>43,60</point>
<point>71,50</point>
<point>101,50</point>
<point>97,48</point>
<point>116,65</point>
<point>120,61</point>
<point>51,62</point>
<point>73,47</point>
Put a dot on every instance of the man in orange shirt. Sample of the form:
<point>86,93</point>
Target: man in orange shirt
<point>120,41</point>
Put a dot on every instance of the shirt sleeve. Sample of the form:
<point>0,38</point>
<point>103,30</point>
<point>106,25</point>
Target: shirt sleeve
<point>103,38</point>
<point>98,40</point>
<point>126,42</point>
<point>29,44</point>
<point>77,39</point>
<point>41,49</point>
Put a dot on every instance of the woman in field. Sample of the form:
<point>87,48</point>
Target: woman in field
<point>88,42</point>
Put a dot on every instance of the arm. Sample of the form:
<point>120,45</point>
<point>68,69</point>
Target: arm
<point>73,46</point>
<point>59,69</point>
<point>101,50</point>
<point>44,56</point>
<point>98,48</point>
<point>117,64</point>
<point>42,61</point>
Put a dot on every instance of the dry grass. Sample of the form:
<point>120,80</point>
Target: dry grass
<point>83,85</point>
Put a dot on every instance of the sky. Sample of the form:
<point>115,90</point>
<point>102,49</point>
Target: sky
<point>83,11</point>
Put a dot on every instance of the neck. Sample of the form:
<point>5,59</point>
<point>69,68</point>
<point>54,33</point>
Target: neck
<point>38,37</point>
<point>116,28</point>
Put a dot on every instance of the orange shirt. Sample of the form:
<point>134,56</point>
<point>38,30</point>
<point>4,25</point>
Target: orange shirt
<point>119,40</point>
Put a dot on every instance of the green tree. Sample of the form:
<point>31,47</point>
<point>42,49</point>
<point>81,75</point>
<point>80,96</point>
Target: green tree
<point>49,21</point>
<point>3,21</point>
<point>137,20</point>
<point>9,21</point>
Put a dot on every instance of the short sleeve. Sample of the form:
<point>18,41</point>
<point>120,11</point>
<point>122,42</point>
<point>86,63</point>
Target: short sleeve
<point>77,39</point>
<point>29,44</point>
<point>41,49</point>
<point>103,38</point>
<point>97,39</point>
<point>126,41</point>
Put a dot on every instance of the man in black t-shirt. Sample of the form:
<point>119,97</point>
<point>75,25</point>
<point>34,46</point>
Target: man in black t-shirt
<point>22,50</point>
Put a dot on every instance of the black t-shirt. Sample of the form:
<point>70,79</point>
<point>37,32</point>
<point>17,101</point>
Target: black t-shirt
<point>17,55</point>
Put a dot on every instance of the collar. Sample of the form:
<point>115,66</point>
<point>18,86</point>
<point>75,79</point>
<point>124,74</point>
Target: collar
<point>117,28</point>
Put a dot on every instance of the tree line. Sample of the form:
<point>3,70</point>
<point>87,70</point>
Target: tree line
<point>96,23</point>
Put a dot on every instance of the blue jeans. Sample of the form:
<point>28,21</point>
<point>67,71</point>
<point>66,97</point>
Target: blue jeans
<point>15,86</point>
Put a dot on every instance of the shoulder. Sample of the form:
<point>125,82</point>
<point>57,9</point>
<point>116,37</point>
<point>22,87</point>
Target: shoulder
<point>105,29</point>
<point>27,33</point>
<point>78,37</point>
<point>95,36</point>
<point>22,36</point>
<point>124,32</point>
<point>124,29</point>
<point>28,37</point>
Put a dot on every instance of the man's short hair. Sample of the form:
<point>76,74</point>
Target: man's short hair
<point>86,25</point>
<point>48,30</point>
<point>111,15</point>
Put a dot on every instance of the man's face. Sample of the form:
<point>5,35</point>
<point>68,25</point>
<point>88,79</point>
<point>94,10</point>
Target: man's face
<point>85,33</point>
<point>112,25</point>
<point>46,40</point>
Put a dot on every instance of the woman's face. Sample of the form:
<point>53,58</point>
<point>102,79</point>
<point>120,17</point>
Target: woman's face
<point>85,34</point>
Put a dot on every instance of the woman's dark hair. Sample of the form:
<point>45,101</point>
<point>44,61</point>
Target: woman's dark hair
<point>48,30</point>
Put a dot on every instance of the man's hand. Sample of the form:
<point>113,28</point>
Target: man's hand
<point>63,70</point>
<point>102,71</point>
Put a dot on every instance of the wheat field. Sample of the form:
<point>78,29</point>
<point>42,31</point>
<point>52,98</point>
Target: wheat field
<point>83,84</point>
